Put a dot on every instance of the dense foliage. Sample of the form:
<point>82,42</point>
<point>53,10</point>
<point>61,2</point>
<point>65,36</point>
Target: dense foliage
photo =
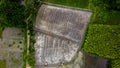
<point>115,63</point>
<point>12,13</point>
<point>31,8</point>
<point>103,40</point>
<point>102,14</point>
<point>114,5</point>
<point>107,4</point>
<point>103,34</point>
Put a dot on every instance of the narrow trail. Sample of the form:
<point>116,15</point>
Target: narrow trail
<point>28,40</point>
<point>28,44</point>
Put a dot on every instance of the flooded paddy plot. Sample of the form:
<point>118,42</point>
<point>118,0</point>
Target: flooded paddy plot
<point>59,34</point>
<point>11,47</point>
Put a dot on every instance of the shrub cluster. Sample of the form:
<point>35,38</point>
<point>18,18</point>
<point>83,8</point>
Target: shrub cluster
<point>103,40</point>
<point>12,13</point>
<point>115,63</point>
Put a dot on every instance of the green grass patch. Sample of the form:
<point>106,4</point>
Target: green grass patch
<point>105,17</point>
<point>72,3</point>
<point>103,35</point>
<point>103,40</point>
<point>1,30</point>
<point>2,64</point>
<point>115,63</point>
<point>25,47</point>
<point>114,18</point>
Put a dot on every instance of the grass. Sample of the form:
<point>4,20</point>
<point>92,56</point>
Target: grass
<point>72,3</point>
<point>115,64</point>
<point>103,40</point>
<point>1,30</point>
<point>2,64</point>
<point>103,35</point>
<point>114,18</point>
<point>25,47</point>
<point>106,17</point>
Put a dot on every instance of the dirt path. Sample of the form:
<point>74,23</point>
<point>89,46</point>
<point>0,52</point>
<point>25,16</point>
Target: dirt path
<point>28,44</point>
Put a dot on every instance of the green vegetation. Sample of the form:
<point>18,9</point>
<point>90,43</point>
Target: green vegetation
<point>30,13</point>
<point>25,47</point>
<point>72,3</point>
<point>115,64</point>
<point>2,64</point>
<point>103,40</point>
<point>13,14</point>
<point>1,30</point>
<point>102,37</point>
<point>103,33</point>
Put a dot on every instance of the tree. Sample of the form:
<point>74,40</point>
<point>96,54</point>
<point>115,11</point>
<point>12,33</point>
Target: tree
<point>114,5</point>
<point>12,13</point>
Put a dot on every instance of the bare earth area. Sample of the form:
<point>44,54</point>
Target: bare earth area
<point>77,63</point>
<point>59,35</point>
<point>11,48</point>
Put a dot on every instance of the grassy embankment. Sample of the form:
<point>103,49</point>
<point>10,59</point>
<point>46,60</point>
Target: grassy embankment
<point>71,3</point>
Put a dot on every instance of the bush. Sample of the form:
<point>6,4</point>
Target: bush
<point>114,18</point>
<point>102,37</point>
<point>115,63</point>
<point>30,59</point>
<point>12,14</point>
<point>103,40</point>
